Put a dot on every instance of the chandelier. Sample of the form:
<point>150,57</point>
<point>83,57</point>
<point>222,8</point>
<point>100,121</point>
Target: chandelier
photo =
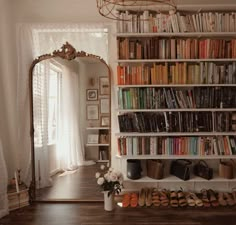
<point>108,8</point>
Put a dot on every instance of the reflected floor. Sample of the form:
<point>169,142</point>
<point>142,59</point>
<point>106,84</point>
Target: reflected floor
<point>75,185</point>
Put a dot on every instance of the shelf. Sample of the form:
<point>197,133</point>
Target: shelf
<point>175,85</point>
<point>102,160</point>
<point>174,60</point>
<point>186,34</point>
<point>171,178</point>
<point>135,134</point>
<point>98,128</point>
<point>96,145</point>
<point>176,157</point>
<point>178,110</point>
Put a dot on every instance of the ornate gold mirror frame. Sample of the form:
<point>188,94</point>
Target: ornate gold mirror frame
<point>67,52</point>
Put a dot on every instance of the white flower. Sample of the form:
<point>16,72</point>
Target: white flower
<point>110,169</point>
<point>100,180</point>
<point>107,177</point>
<point>113,176</point>
<point>97,175</point>
<point>102,167</point>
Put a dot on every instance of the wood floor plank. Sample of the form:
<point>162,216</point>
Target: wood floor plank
<point>94,214</point>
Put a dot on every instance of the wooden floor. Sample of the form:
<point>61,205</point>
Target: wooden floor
<point>79,185</point>
<point>94,214</point>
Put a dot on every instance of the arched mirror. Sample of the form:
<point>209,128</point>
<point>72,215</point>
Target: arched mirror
<point>70,124</point>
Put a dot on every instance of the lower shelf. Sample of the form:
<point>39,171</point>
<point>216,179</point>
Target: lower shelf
<point>176,179</point>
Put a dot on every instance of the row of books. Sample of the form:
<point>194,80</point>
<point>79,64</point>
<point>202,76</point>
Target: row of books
<point>176,98</point>
<point>155,22</point>
<point>144,122</point>
<point>175,48</point>
<point>176,73</point>
<point>192,146</point>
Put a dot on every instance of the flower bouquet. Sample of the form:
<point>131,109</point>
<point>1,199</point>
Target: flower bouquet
<point>110,180</point>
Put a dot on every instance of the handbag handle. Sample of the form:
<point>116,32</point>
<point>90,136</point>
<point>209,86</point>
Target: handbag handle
<point>187,162</point>
<point>203,162</point>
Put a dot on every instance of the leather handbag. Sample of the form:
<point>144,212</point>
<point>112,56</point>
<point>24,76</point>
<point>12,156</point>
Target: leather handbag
<point>181,168</point>
<point>155,168</point>
<point>226,169</point>
<point>201,169</point>
<point>134,169</point>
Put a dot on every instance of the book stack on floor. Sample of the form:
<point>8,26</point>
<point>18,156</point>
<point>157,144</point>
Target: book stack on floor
<point>18,199</point>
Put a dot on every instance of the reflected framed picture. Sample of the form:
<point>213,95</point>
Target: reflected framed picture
<point>92,94</point>
<point>105,121</point>
<point>92,112</point>
<point>104,106</point>
<point>104,85</point>
<point>93,139</point>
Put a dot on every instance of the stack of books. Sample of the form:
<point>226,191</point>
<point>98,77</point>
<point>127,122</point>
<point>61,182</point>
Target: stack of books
<point>17,199</point>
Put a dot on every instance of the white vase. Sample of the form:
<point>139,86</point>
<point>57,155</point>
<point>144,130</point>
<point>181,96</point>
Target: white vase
<point>108,201</point>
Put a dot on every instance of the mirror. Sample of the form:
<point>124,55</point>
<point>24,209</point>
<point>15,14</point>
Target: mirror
<point>70,124</point>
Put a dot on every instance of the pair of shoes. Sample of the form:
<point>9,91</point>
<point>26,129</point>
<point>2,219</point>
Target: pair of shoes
<point>213,198</point>
<point>145,197</point>
<point>193,200</point>
<point>229,198</point>
<point>164,197</point>
<point>174,199</point>
<point>156,197</point>
<point>181,198</point>
<point>205,200</point>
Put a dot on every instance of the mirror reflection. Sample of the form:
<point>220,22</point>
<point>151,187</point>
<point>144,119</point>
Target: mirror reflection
<point>71,123</point>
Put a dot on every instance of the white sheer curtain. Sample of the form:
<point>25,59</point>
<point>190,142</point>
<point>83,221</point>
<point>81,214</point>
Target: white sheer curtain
<point>37,39</point>
<point>70,145</point>
<point>3,184</point>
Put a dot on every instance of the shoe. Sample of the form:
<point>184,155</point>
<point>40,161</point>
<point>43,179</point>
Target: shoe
<point>134,200</point>
<point>126,200</point>
<point>148,199</point>
<point>142,197</point>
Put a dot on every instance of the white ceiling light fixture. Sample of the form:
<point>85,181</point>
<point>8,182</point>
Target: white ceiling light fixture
<point>108,8</point>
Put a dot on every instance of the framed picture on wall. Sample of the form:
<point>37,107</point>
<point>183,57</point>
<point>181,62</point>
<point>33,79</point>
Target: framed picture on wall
<point>92,112</point>
<point>105,121</point>
<point>103,85</point>
<point>92,94</point>
<point>104,105</point>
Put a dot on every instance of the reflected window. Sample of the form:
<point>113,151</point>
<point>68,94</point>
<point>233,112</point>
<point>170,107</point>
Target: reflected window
<point>46,97</point>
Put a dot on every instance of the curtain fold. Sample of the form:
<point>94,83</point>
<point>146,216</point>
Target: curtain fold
<point>3,184</point>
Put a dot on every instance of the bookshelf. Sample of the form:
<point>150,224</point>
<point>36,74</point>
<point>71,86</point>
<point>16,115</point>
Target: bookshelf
<point>98,138</point>
<point>176,86</point>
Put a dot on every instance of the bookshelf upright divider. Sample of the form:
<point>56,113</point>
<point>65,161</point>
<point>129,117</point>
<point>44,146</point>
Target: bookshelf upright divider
<point>176,85</point>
